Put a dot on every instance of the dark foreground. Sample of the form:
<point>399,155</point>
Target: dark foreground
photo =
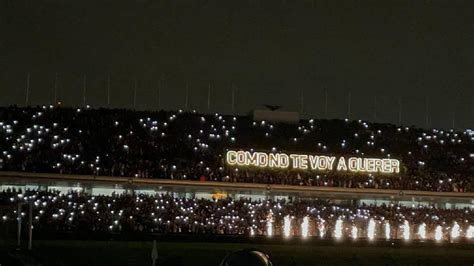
<point>74,252</point>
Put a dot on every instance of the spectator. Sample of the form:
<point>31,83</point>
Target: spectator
<point>186,145</point>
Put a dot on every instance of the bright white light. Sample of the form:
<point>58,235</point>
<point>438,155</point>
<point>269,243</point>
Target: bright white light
<point>455,231</point>
<point>387,230</point>
<point>438,233</point>
<point>338,229</point>
<point>470,232</point>
<point>269,226</point>
<point>322,229</point>
<point>422,231</point>
<point>406,230</point>
<point>305,227</point>
<point>371,229</point>
<point>252,232</point>
<point>287,226</point>
<point>354,232</point>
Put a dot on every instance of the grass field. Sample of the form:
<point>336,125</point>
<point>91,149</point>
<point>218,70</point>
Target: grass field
<point>68,252</point>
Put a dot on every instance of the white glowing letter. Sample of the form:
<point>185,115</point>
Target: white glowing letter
<point>341,165</point>
<point>231,157</point>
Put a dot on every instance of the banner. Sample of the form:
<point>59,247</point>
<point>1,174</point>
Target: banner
<point>312,162</point>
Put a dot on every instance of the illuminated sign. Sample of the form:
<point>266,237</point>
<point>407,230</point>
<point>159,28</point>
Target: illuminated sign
<point>311,162</point>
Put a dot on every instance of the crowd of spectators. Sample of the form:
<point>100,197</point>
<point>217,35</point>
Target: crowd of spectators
<point>162,213</point>
<point>191,146</point>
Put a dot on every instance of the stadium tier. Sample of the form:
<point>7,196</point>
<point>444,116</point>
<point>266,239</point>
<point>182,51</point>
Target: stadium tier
<point>57,212</point>
<point>187,145</point>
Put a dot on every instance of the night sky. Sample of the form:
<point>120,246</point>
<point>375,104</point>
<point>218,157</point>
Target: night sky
<point>418,52</point>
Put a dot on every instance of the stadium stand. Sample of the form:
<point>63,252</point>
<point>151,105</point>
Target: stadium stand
<point>56,212</point>
<point>192,146</point>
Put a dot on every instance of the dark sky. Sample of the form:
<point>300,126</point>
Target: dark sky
<point>417,51</point>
